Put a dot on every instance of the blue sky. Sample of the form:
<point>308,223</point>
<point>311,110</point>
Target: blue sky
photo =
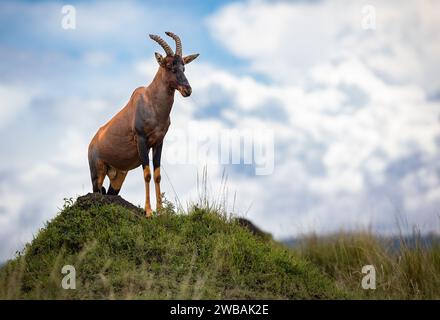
<point>354,112</point>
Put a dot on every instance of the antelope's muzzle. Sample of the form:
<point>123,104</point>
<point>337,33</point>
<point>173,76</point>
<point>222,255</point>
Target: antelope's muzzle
<point>185,91</point>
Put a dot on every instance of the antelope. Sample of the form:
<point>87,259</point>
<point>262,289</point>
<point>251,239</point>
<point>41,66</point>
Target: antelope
<point>124,142</point>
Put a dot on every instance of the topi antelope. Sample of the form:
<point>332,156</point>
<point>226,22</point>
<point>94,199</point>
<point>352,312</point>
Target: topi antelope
<point>124,142</point>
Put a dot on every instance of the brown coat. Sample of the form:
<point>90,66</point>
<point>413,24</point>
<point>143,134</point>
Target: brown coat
<point>123,143</point>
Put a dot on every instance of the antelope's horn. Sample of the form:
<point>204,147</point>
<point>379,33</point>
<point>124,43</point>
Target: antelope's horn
<point>178,42</point>
<point>163,44</point>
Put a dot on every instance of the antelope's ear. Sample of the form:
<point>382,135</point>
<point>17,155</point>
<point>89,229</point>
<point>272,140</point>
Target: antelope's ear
<point>190,58</point>
<point>159,58</point>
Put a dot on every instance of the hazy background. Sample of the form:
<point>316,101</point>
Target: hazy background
<point>355,112</point>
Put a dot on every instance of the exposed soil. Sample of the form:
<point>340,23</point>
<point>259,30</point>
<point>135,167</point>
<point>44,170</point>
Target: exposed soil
<point>90,199</point>
<point>247,224</point>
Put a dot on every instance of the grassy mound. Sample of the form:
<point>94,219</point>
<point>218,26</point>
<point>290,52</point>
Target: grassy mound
<point>118,253</point>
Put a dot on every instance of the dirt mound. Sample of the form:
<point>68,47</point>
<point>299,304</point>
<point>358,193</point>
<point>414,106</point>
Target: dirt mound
<point>247,224</point>
<point>91,199</point>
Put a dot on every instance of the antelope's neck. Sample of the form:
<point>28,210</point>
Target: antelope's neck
<point>162,97</point>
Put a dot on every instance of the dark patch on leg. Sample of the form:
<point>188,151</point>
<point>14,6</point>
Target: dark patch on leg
<point>113,192</point>
<point>103,190</point>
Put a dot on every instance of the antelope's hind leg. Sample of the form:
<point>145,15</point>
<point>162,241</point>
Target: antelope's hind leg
<point>117,178</point>
<point>98,171</point>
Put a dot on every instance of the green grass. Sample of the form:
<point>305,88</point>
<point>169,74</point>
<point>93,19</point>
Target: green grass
<point>410,271</point>
<point>201,254</point>
<point>206,254</point>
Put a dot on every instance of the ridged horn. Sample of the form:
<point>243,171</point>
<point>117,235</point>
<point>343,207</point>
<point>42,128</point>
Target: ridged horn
<point>163,44</point>
<point>178,42</point>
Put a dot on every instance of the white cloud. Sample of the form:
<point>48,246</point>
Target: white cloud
<point>14,100</point>
<point>97,58</point>
<point>269,36</point>
<point>316,53</point>
<point>273,35</point>
<point>39,172</point>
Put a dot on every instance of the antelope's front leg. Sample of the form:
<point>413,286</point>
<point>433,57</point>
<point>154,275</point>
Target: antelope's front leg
<point>157,152</point>
<point>143,154</point>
